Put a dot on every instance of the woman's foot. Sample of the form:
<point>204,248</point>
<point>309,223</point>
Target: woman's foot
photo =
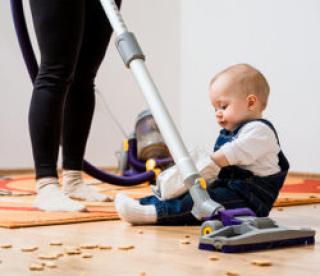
<point>50,199</point>
<point>133,212</point>
<point>74,187</point>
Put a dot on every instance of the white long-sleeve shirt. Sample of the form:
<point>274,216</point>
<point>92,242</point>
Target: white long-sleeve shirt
<point>254,148</point>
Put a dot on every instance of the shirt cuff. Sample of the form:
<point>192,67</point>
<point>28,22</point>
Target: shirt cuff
<point>229,153</point>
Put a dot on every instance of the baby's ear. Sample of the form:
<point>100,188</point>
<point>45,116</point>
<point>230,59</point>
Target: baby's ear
<point>252,101</point>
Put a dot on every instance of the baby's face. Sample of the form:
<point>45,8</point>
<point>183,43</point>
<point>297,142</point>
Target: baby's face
<point>230,105</point>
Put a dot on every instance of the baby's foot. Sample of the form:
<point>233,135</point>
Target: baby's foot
<point>133,212</point>
<point>74,187</point>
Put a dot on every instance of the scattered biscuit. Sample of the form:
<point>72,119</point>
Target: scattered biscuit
<point>140,231</point>
<point>126,247</point>
<point>6,245</point>
<point>280,209</point>
<point>104,247</point>
<point>86,256</point>
<point>88,246</point>
<point>72,250</point>
<point>47,256</point>
<point>59,254</point>
<point>142,274</point>
<point>185,241</point>
<point>213,258</point>
<point>56,243</point>
<point>232,273</point>
<point>50,264</point>
<point>29,249</point>
<point>187,236</point>
<point>261,262</point>
<point>313,196</point>
<point>36,267</point>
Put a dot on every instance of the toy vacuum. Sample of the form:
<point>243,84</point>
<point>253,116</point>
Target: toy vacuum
<point>224,230</point>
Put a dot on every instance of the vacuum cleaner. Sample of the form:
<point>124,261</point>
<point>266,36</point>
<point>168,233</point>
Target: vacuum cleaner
<point>224,230</point>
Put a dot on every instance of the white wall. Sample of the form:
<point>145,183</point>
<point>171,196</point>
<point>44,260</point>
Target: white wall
<point>155,24</point>
<point>186,42</point>
<point>282,39</point>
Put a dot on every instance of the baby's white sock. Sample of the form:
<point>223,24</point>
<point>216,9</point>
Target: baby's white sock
<point>133,212</point>
<point>49,198</point>
<point>74,186</point>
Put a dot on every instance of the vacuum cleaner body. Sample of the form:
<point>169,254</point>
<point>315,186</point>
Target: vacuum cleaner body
<point>145,145</point>
<point>239,230</point>
<point>150,143</point>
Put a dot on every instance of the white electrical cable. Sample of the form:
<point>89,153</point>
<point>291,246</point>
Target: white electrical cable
<point>107,111</point>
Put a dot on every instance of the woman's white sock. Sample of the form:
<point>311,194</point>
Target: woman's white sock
<point>133,212</point>
<point>49,198</point>
<point>74,187</point>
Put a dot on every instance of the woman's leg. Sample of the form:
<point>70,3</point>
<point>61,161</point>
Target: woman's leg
<point>59,29</point>
<point>80,102</point>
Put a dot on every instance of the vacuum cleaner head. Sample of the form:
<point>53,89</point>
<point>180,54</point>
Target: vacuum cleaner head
<point>250,233</point>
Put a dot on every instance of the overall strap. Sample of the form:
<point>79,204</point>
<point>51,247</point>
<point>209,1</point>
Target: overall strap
<point>227,136</point>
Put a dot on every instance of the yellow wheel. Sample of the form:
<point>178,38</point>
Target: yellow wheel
<point>210,226</point>
<point>206,230</point>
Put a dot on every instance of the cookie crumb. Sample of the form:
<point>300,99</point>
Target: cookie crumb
<point>36,267</point>
<point>104,247</point>
<point>185,241</point>
<point>126,247</point>
<point>89,246</point>
<point>6,245</point>
<point>232,273</point>
<point>29,249</point>
<point>56,243</point>
<point>47,256</point>
<point>72,250</point>
<point>50,264</point>
<point>213,258</point>
<point>261,262</point>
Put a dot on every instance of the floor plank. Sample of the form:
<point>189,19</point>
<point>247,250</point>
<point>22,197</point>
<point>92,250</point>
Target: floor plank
<point>157,251</point>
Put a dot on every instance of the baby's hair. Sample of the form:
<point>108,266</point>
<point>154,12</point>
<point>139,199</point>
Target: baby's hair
<point>251,80</point>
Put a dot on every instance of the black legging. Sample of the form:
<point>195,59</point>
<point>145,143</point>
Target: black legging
<point>73,36</point>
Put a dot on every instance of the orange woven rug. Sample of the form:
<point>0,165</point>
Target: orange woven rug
<point>299,189</point>
<point>17,194</point>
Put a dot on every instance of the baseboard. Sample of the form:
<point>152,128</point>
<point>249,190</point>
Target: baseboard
<point>114,169</point>
<point>31,170</point>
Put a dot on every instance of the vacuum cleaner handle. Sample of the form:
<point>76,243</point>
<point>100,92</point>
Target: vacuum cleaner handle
<point>133,58</point>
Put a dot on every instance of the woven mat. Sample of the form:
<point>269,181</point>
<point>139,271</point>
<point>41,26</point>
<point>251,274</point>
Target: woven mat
<point>299,189</point>
<point>17,194</point>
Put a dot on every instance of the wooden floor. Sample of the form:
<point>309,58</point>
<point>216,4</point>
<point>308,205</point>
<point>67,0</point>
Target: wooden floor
<point>157,251</point>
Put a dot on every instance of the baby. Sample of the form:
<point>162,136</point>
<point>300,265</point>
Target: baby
<point>252,167</point>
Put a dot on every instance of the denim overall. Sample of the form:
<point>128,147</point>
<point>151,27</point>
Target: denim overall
<point>233,188</point>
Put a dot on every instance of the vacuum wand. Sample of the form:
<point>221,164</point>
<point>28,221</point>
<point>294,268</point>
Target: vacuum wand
<point>133,57</point>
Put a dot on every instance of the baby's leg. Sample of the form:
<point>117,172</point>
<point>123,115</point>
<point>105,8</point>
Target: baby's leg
<point>133,212</point>
<point>151,210</point>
